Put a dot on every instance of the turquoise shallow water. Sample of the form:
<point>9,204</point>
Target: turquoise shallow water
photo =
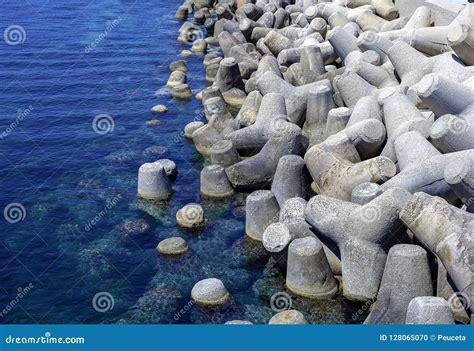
<point>72,62</point>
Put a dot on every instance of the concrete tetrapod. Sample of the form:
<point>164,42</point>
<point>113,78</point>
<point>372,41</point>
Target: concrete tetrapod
<point>278,236</point>
<point>308,273</point>
<point>427,175</point>
<point>447,232</point>
<point>400,116</point>
<point>406,276</point>
<point>251,139</point>
<point>337,177</point>
<point>429,310</point>
<point>214,182</point>
<point>459,174</point>
<point>257,171</point>
<point>295,97</point>
<point>361,233</point>
<point>261,210</point>
<point>291,179</point>
<point>153,182</point>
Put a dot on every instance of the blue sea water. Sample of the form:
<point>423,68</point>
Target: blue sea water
<point>68,181</point>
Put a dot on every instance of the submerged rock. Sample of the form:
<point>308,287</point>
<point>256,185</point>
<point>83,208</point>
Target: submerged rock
<point>154,151</point>
<point>159,108</point>
<point>190,216</point>
<point>172,246</point>
<point>133,228</point>
<point>288,317</point>
<point>210,292</point>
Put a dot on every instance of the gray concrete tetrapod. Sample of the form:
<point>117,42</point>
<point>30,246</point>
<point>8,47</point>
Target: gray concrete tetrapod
<point>351,87</point>
<point>406,276</point>
<point>447,232</point>
<point>248,113</point>
<point>429,310</point>
<point>228,76</point>
<point>443,95</point>
<point>153,183</point>
<point>258,171</point>
<point>412,148</point>
<point>291,179</point>
<point>337,177</point>
<point>427,175</point>
<point>461,40</point>
<point>319,103</point>
<point>337,120</point>
<point>361,233</point>
<point>278,236</point>
<point>275,240</point>
<point>459,174</point>
<point>308,273</point>
<point>214,182</point>
<point>444,289</point>
<point>367,138</point>
<point>252,138</point>
<point>296,97</point>
<point>204,137</point>
<point>342,41</point>
<point>450,133</point>
<point>223,153</point>
<point>400,116</point>
<point>261,210</point>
